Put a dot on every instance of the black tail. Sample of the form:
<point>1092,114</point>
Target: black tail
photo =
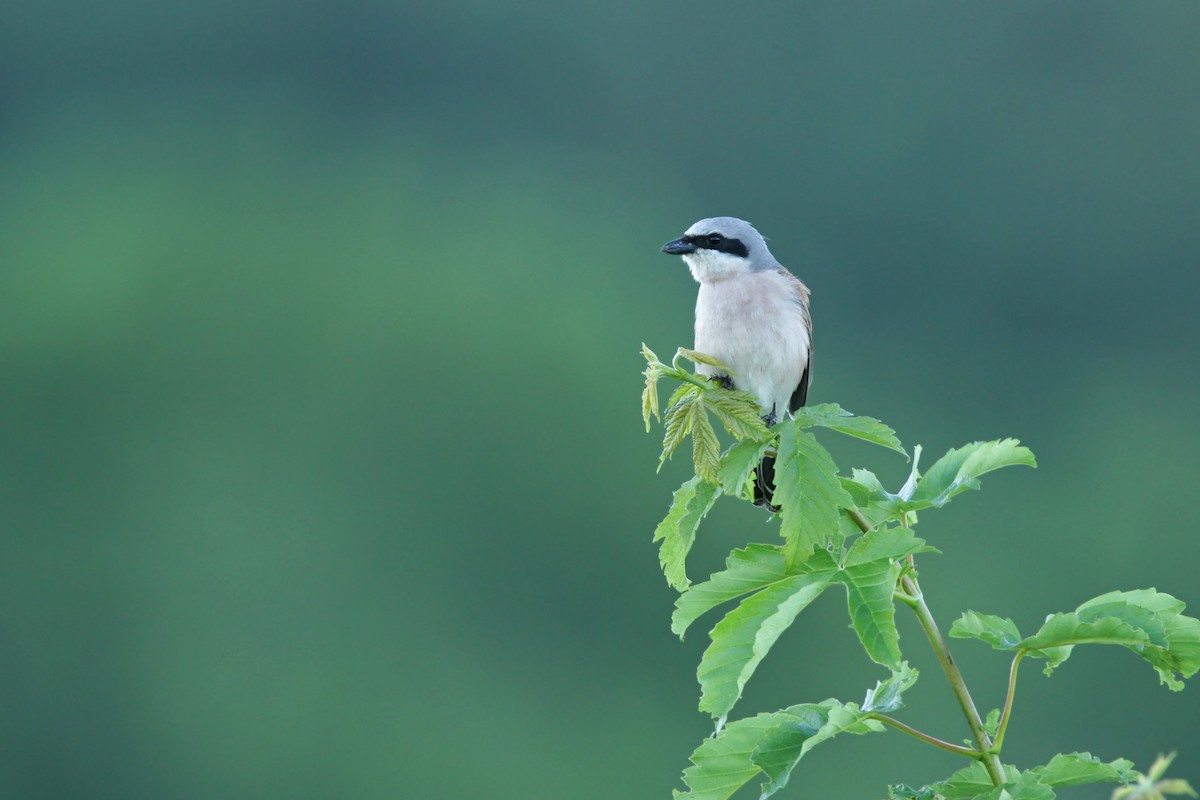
<point>764,484</point>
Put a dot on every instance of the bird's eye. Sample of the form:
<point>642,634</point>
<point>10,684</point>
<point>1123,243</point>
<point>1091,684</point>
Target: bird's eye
<point>715,239</point>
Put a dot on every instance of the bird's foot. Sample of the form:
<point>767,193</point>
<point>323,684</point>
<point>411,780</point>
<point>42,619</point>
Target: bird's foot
<point>770,419</point>
<point>724,381</point>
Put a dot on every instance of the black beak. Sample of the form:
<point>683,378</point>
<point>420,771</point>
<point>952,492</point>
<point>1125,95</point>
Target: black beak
<point>678,247</point>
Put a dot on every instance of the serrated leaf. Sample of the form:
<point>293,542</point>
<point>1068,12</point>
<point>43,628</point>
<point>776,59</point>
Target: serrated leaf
<point>737,464</point>
<point>869,596</point>
<point>1183,642</point>
<point>972,781</point>
<point>885,543</point>
<point>650,399</point>
<point>721,764</point>
<point>1060,633</point>
<point>677,421</point>
<point>696,357</point>
<point>847,529</point>
<point>808,492</point>
<point>992,723</point>
<point>677,531</point>
<point>783,746</point>
<point>706,450</point>
<point>961,468</point>
<point>746,634</point>
<point>887,696</point>
<point>874,503</point>
<point>681,391</point>
<point>1026,787</point>
<point>866,489</point>
<point>1145,621</point>
<point>770,743</point>
<point>1000,632</point>
<point>746,571</point>
<point>739,413</point>
<point>834,417</point>
<point>1074,769</point>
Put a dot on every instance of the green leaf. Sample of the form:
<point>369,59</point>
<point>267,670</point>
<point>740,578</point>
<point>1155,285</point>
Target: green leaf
<point>992,723</point>
<point>1027,786</point>
<point>696,357</point>
<point>1073,769</point>
<point>677,420</point>
<point>681,391</point>
<point>739,413</point>
<point>649,355</point>
<point>870,573</point>
<point>677,531</point>
<point>834,417</point>
<point>886,697</point>
<point>999,632</point>
<point>973,781</point>
<point>1175,786</point>
<point>866,489</point>
<point>960,470</point>
<point>900,791</point>
<point>744,637</point>
<point>721,764</point>
<point>800,729</point>
<point>767,743</point>
<point>749,570</point>
<point>875,504</point>
<point>1061,632</point>
<point>772,744</point>
<point>869,589</point>
<point>1183,651</point>
<point>808,492</point>
<point>1145,621</point>
<point>738,463</point>
<point>885,543</point>
<point>847,529</point>
<point>1152,785</point>
<point>650,393</point>
<point>650,399</point>
<point>706,450</point>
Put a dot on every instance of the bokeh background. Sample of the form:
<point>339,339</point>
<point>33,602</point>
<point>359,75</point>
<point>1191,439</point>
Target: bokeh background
<point>321,466</point>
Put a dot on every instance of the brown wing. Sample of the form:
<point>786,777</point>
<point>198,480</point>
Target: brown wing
<point>800,396</point>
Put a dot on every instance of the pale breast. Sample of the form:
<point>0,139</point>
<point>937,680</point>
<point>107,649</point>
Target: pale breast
<point>753,324</point>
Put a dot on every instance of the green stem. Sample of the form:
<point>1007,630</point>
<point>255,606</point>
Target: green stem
<point>859,520</point>
<point>686,377</point>
<point>982,743</point>
<point>1008,701</point>
<point>924,737</point>
<point>912,590</point>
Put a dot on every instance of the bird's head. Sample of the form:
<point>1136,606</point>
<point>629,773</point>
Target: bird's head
<point>722,247</point>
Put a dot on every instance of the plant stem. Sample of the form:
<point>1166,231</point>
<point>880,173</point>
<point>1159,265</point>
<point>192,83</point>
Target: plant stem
<point>686,377</point>
<point>915,598</point>
<point>924,737</point>
<point>983,744</point>
<point>1008,701</point>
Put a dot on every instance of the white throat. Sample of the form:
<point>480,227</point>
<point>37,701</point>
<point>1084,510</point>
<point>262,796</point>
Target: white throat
<point>708,266</point>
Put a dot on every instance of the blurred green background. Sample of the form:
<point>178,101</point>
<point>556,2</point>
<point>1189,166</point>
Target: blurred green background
<point>321,467</point>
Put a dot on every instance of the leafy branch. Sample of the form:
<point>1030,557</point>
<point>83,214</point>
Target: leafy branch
<point>850,533</point>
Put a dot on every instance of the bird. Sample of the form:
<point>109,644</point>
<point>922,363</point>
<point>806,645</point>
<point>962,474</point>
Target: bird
<point>752,314</point>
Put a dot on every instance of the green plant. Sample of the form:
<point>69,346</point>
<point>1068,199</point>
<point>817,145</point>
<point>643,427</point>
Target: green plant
<point>852,533</point>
